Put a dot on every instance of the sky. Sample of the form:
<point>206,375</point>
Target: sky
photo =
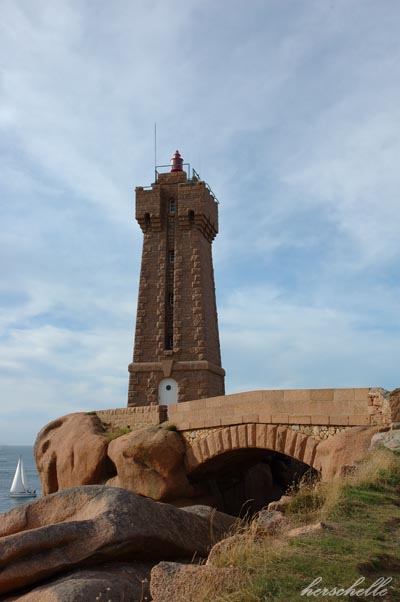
<point>289,109</point>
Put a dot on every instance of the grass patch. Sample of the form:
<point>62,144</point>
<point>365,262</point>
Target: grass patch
<point>363,512</point>
<point>118,431</point>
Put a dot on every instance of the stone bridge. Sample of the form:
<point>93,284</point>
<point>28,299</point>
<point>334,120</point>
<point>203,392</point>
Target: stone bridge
<point>235,453</point>
<point>288,422</point>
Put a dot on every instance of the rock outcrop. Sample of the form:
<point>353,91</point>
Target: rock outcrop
<point>150,461</point>
<point>71,451</point>
<point>153,460</point>
<point>222,522</point>
<point>308,530</point>
<point>93,525</point>
<point>174,582</point>
<point>112,582</point>
<point>268,522</point>
<point>74,450</point>
<point>389,439</point>
<point>338,455</point>
<point>224,549</point>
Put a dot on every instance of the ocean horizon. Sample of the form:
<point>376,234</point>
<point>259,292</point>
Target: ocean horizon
<point>9,455</point>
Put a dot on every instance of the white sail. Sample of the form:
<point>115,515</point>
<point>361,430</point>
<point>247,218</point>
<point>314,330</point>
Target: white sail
<point>23,475</point>
<point>19,487</point>
<point>18,483</point>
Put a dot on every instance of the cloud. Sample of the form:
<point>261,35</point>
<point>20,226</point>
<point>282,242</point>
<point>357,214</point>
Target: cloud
<point>290,112</point>
<point>276,340</point>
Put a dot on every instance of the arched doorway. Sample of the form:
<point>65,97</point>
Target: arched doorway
<point>167,391</point>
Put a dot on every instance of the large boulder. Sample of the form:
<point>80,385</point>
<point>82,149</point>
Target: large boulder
<point>268,522</point>
<point>225,549</point>
<point>95,524</point>
<point>218,520</point>
<point>339,454</point>
<point>113,582</point>
<point>174,582</point>
<point>389,439</point>
<point>72,451</point>
<point>149,461</point>
<point>312,529</point>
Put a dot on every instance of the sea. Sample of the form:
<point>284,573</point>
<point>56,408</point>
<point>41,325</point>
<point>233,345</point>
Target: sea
<point>9,455</point>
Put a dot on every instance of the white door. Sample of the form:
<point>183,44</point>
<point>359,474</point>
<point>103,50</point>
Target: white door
<point>167,391</point>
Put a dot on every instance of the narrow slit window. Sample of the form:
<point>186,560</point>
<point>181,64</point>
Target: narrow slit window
<point>172,207</point>
<point>171,299</point>
<point>172,256</point>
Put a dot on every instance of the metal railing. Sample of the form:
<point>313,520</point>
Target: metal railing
<point>157,167</point>
<point>193,176</point>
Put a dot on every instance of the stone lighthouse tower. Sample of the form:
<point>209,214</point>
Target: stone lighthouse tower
<point>177,352</point>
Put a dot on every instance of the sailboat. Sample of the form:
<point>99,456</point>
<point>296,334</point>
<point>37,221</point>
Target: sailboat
<point>19,487</point>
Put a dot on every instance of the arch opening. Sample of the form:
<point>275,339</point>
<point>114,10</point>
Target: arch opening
<point>243,481</point>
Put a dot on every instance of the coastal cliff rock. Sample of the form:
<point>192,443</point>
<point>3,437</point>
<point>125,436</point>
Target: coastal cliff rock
<point>93,525</point>
<point>149,461</point>
<point>112,582</point>
<point>389,439</point>
<point>75,450</point>
<point>71,451</point>
<point>341,453</point>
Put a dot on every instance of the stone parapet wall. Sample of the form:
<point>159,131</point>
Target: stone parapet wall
<point>319,413</point>
<point>133,417</point>
<point>300,407</point>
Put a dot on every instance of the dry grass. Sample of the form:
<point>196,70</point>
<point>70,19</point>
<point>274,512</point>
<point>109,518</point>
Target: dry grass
<point>118,431</point>
<point>379,468</point>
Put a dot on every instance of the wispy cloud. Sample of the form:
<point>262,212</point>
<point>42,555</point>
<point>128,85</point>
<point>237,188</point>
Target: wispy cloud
<point>289,110</point>
<point>276,339</point>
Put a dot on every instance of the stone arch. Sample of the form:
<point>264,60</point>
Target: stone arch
<point>281,439</point>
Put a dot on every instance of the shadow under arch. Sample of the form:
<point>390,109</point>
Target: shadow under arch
<point>240,469</point>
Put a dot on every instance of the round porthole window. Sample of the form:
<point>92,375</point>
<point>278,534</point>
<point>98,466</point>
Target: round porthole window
<point>168,387</point>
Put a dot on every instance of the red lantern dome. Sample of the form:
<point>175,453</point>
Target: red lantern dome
<point>177,162</point>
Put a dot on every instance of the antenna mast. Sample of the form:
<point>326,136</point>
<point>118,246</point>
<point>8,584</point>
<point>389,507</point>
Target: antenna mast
<point>155,146</point>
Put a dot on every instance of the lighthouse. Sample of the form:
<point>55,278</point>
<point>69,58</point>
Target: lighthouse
<point>177,354</point>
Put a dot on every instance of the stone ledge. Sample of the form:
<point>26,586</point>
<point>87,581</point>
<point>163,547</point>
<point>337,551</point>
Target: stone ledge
<point>177,366</point>
<point>341,407</point>
<point>133,416</point>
